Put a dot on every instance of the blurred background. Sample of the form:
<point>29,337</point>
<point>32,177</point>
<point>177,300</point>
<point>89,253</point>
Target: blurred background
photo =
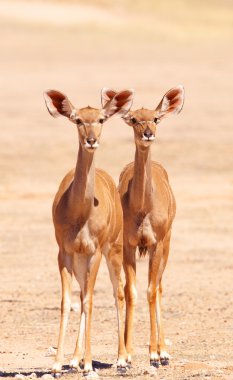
<point>78,47</point>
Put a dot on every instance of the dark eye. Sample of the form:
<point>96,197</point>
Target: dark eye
<point>156,120</point>
<point>133,120</point>
<point>78,121</point>
<point>101,121</point>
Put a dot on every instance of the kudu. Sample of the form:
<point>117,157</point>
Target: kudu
<point>87,217</point>
<point>148,211</point>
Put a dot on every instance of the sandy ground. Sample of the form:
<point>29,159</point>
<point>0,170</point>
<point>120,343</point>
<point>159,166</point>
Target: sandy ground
<point>150,48</point>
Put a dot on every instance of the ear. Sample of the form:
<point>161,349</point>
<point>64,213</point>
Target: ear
<point>172,102</point>
<point>106,95</point>
<point>120,103</point>
<point>58,104</point>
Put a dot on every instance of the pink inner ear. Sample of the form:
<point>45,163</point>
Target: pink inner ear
<point>57,103</point>
<point>57,99</point>
<point>173,93</point>
<point>120,103</point>
<point>106,95</point>
<point>123,98</point>
<point>173,100</point>
<point>110,94</point>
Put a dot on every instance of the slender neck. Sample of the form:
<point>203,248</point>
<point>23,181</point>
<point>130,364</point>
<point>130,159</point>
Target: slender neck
<point>142,187</point>
<point>82,190</point>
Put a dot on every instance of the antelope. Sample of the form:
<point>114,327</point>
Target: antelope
<point>148,210</point>
<point>88,222</point>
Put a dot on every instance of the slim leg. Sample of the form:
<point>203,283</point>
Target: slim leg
<point>114,262</point>
<point>78,353</point>
<point>154,278</point>
<point>164,356</point>
<point>65,267</point>
<point>86,269</point>
<point>129,263</point>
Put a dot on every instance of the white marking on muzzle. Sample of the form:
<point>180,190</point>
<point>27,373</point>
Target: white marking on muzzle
<point>151,138</point>
<point>94,146</point>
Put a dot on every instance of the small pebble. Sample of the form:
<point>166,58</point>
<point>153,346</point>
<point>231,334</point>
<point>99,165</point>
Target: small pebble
<point>51,351</point>
<point>47,376</point>
<point>32,376</point>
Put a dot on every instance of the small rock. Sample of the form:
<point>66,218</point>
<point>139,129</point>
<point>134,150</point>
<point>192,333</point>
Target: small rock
<point>212,357</point>
<point>150,371</point>
<point>51,351</point>
<point>47,376</point>
<point>19,376</point>
<point>168,342</point>
<point>32,376</point>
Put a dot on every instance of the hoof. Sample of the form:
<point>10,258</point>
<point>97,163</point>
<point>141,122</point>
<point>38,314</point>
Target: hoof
<point>121,370</point>
<point>56,375</point>
<point>164,361</point>
<point>154,359</point>
<point>74,365</point>
<point>90,374</point>
<point>164,358</point>
<point>56,370</point>
<point>129,365</point>
<point>121,364</point>
<point>154,363</point>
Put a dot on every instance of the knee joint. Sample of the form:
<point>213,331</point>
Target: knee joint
<point>151,294</point>
<point>131,295</point>
<point>87,305</point>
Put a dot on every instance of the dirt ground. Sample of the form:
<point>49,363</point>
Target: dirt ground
<point>151,47</point>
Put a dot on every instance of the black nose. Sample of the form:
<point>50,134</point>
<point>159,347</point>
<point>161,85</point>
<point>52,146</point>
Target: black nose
<point>148,134</point>
<point>91,141</point>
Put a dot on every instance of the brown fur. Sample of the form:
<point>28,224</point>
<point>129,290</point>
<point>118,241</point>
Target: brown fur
<point>87,217</point>
<point>149,209</point>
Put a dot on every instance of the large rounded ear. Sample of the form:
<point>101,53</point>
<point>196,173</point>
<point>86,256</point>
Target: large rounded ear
<point>120,103</point>
<point>172,102</point>
<point>58,103</point>
<point>106,95</point>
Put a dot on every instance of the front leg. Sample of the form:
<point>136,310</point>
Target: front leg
<point>65,267</point>
<point>129,263</point>
<point>154,277</point>
<point>114,262</point>
<point>86,269</point>
<point>78,353</point>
